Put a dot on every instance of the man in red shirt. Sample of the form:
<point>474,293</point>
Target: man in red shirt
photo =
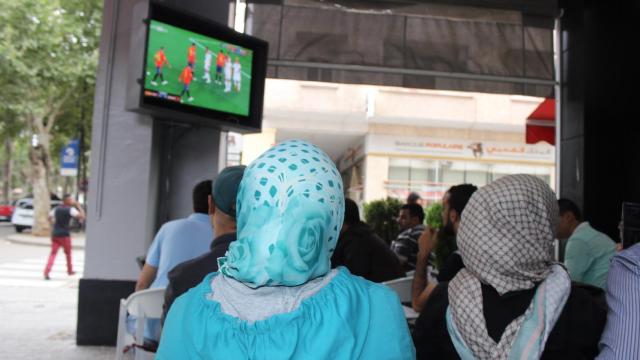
<point>160,59</point>
<point>185,77</point>
<point>220,60</point>
<point>191,57</point>
<point>60,234</point>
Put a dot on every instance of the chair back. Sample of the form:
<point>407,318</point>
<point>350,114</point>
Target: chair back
<point>402,287</point>
<point>146,303</point>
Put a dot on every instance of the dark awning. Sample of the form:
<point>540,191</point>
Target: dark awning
<point>412,43</point>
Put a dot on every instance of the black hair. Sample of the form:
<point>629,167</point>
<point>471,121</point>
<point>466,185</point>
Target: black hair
<point>568,205</point>
<point>201,193</point>
<point>351,212</point>
<point>459,196</point>
<point>413,198</point>
<point>414,210</point>
<point>67,196</point>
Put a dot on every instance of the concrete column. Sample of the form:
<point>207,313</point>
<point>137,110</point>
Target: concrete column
<point>598,138</point>
<point>255,144</point>
<point>142,173</point>
<point>376,169</point>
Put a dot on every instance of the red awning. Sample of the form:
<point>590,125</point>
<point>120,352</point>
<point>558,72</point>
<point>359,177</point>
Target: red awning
<point>541,124</point>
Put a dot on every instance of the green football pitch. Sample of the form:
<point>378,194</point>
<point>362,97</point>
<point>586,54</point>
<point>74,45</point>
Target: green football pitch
<point>211,95</point>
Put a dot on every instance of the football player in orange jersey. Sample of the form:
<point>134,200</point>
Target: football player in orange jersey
<point>185,77</point>
<point>191,57</point>
<point>160,59</point>
<point>220,59</point>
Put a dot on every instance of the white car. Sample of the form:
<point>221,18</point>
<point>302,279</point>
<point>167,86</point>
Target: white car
<point>22,217</point>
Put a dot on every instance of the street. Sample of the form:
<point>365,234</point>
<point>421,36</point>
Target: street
<point>38,317</point>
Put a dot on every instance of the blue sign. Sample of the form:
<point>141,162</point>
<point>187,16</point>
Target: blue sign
<point>69,159</point>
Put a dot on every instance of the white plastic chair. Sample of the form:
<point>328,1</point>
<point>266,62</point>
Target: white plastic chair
<point>142,304</point>
<point>402,287</point>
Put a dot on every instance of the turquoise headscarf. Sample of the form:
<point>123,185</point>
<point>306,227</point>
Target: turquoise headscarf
<point>290,209</point>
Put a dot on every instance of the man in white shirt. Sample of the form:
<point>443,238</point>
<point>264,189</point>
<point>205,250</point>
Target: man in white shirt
<point>227,74</point>
<point>207,65</point>
<point>237,75</point>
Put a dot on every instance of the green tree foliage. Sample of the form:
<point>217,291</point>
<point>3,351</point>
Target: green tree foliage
<point>381,216</point>
<point>446,243</point>
<point>433,215</point>
<point>48,58</point>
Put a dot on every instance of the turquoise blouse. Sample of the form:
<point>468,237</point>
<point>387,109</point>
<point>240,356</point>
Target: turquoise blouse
<point>349,318</point>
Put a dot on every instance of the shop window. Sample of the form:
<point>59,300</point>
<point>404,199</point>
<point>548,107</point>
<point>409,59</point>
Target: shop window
<point>423,175</point>
<point>477,178</point>
<point>422,172</point>
<point>399,170</point>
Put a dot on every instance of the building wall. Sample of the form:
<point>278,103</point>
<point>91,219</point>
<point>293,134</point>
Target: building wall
<point>376,170</point>
<point>253,145</point>
<point>340,118</point>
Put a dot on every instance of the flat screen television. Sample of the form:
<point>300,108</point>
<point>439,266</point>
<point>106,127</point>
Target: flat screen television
<point>198,71</point>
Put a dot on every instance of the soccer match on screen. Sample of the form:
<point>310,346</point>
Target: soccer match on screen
<point>197,70</point>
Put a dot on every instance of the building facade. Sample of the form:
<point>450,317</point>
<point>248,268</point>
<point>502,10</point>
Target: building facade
<point>388,142</point>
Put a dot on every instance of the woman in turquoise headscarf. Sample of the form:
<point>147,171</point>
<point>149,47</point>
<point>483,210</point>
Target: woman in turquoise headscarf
<point>276,296</point>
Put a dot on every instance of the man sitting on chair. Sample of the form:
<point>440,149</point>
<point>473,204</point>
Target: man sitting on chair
<point>222,211</point>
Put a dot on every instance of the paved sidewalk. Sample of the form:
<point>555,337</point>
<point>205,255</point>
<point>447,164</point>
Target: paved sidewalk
<point>41,324</point>
<point>77,240</point>
<point>38,318</point>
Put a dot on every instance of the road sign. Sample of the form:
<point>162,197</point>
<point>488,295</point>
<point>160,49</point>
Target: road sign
<point>69,158</point>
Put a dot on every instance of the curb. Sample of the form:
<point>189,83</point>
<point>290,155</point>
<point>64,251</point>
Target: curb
<point>39,241</point>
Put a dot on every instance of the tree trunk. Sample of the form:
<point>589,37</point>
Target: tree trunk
<point>66,187</point>
<point>8,167</point>
<point>40,166</point>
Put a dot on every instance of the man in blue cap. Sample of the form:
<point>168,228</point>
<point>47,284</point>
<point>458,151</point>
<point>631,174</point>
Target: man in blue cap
<point>222,212</point>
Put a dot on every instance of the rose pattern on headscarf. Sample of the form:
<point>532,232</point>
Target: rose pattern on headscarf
<point>290,210</point>
<point>299,245</point>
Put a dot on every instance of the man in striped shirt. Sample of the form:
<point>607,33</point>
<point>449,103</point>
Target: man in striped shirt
<point>410,221</point>
<point>621,337</point>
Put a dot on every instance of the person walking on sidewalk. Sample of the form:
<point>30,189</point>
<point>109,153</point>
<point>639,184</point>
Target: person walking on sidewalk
<point>60,217</point>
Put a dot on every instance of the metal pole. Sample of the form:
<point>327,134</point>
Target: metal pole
<point>415,72</point>
<point>81,166</point>
<point>557,47</point>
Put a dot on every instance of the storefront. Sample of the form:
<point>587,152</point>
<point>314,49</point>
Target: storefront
<point>393,166</point>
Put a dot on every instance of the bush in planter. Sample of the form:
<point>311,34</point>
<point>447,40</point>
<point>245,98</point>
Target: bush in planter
<point>433,215</point>
<point>381,216</point>
<point>446,239</point>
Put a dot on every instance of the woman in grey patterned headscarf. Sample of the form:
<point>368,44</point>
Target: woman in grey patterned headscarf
<point>511,301</point>
<point>506,241</point>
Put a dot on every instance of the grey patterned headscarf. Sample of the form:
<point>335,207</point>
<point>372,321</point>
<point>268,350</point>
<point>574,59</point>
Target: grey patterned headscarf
<point>506,241</point>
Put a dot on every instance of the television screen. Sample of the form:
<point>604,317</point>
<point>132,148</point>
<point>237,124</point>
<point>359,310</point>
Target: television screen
<point>197,70</point>
<point>185,68</point>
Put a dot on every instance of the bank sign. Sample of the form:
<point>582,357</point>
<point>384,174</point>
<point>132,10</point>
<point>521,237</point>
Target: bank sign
<point>461,149</point>
<point>69,159</point>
